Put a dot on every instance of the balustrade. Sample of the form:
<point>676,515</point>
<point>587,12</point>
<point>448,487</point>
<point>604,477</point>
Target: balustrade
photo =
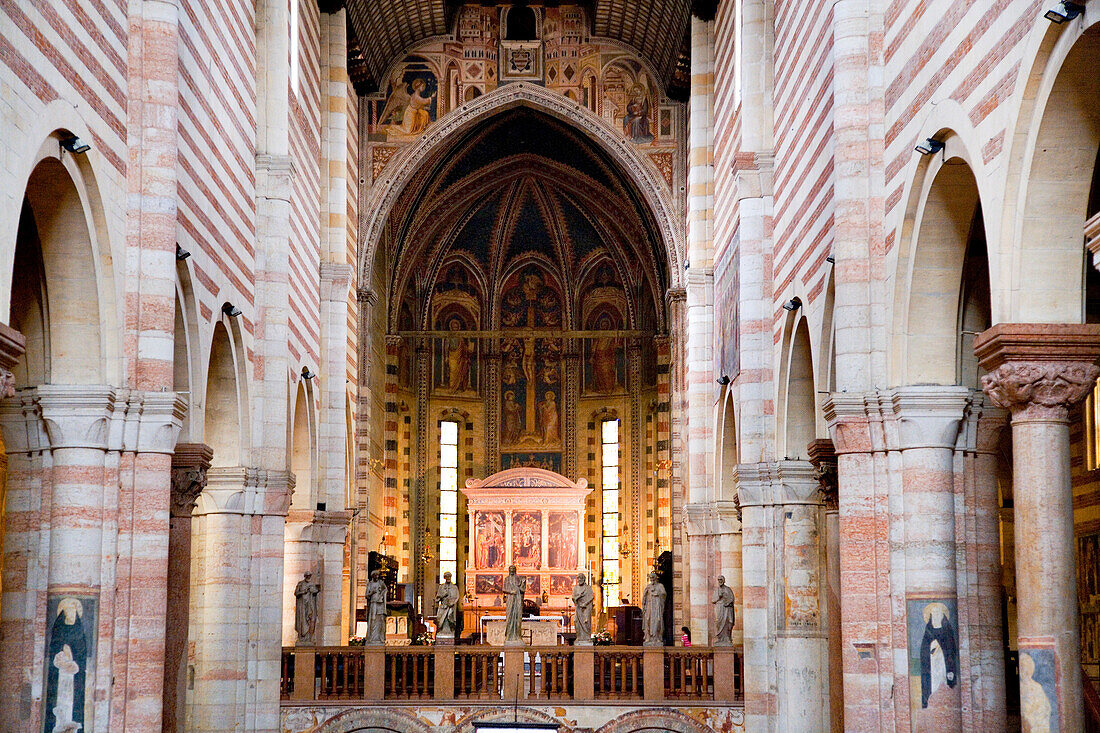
<point>632,674</point>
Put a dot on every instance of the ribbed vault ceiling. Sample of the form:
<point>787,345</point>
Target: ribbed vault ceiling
<point>387,28</point>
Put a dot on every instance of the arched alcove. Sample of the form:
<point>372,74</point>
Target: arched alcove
<point>54,299</point>
<point>222,419</point>
<point>800,405</point>
<point>302,447</point>
<point>727,448</point>
<point>521,23</point>
<point>1055,185</point>
<point>929,306</point>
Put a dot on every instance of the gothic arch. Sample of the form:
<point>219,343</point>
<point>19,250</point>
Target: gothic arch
<point>644,721</point>
<point>1051,151</point>
<point>639,171</point>
<point>522,715</point>
<point>797,424</point>
<point>928,281</point>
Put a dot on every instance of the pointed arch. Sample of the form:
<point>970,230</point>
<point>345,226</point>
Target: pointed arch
<point>798,399</point>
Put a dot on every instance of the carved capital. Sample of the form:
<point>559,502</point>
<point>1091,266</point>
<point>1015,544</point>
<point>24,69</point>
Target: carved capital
<point>928,416</point>
<point>1037,371</point>
<point>189,464</point>
<point>823,458</point>
<point>12,346</point>
<point>1043,391</point>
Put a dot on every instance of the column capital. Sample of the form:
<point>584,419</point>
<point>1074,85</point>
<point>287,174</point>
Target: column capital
<point>777,483</point>
<point>928,416</point>
<point>822,455</point>
<point>855,421</point>
<point>244,490</point>
<point>1038,371</point>
<point>308,525</point>
<point>190,462</point>
<point>77,416</point>
<point>983,423</point>
<point>12,346</point>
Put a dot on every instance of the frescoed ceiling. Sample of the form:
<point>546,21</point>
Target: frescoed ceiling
<point>656,29</point>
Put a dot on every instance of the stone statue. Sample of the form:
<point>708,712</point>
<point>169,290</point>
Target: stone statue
<point>583,599</point>
<point>514,587</point>
<point>305,608</point>
<point>376,609</point>
<point>446,608</point>
<point>653,612</point>
<point>723,613</point>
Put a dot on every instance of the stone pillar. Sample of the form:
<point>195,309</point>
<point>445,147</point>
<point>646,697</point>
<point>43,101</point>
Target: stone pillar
<point>315,543</point>
<point>785,649</point>
<point>822,456</point>
<point>189,464</point>
<point>927,420</point>
<point>981,588</point>
<point>1037,372</point>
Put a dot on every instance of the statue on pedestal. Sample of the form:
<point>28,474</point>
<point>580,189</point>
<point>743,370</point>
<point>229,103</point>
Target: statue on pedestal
<point>653,612</point>
<point>583,599</point>
<point>376,609</point>
<point>305,608</point>
<point>723,614</point>
<point>446,608</point>
<point>514,587</point>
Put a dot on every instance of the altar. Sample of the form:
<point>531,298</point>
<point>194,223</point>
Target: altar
<point>530,518</point>
<point>536,630</point>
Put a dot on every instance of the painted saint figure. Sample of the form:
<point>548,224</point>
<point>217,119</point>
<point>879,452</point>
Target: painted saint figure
<point>514,588</point>
<point>605,360</point>
<point>446,608</point>
<point>939,653</point>
<point>67,658</point>
<point>513,419</point>
<point>653,612</point>
<point>305,608</point>
<point>376,609</point>
<point>636,121</point>
<point>549,420</point>
<point>723,613</point>
<point>1035,706</point>
<point>583,599</point>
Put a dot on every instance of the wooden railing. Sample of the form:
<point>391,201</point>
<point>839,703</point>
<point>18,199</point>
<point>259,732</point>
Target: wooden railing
<point>615,673</point>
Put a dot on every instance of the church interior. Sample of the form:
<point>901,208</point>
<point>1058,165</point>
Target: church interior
<point>576,366</point>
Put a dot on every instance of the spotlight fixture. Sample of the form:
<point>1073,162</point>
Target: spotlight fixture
<point>793,304</point>
<point>831,260</point>
<point>687,264</point>
<point>230,310</point>
<point>75,145</point>
<point>307,374</point>
<point>930,146</point>
<point>723,380</point>
<point>181,253</point>
<point>1064,11</point>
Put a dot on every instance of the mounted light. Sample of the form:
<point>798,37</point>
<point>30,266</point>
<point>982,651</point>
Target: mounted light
<point>723,380</point>
<point>307,374</point>
<point>831,260</point>
<point>230,310</point>
<point>793,304</point>
<point>1064,11</point>
<point>181,253</point>
<point>75,145</point>
<point>930,146</point>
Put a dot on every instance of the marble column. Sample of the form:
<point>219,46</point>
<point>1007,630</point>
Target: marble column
<point>13,575</point>
<point>928,424</point>
<point>1038,372</point>
<point>786,657</point>
<point>189,464</point>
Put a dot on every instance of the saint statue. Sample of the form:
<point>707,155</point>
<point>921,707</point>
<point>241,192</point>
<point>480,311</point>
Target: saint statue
<point>583,599</point>
<point>305,608</point>
<point>653,612</point>
<point>376,609</point>
<point>446,608</point>
<point>514,587</point>
<point>723,613</point>
<point>458,360</point>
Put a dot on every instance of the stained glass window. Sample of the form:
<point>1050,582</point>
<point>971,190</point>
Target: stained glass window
<point>448,499</point>
<point>610,455</point>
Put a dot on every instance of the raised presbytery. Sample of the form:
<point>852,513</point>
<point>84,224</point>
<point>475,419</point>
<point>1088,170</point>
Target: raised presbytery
<point>586,366</point>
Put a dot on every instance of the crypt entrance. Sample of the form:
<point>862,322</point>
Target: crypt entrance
<point>517,312</point>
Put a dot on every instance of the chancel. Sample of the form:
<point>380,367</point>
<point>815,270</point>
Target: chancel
<point>588,366</point>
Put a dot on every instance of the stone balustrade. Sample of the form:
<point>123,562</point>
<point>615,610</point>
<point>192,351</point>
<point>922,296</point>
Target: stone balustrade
<point>607,673</point>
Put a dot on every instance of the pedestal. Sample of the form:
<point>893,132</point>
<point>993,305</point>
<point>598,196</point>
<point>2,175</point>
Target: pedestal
<point>653,673</point>
<point>584,673</point>
<point>513,674</point>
